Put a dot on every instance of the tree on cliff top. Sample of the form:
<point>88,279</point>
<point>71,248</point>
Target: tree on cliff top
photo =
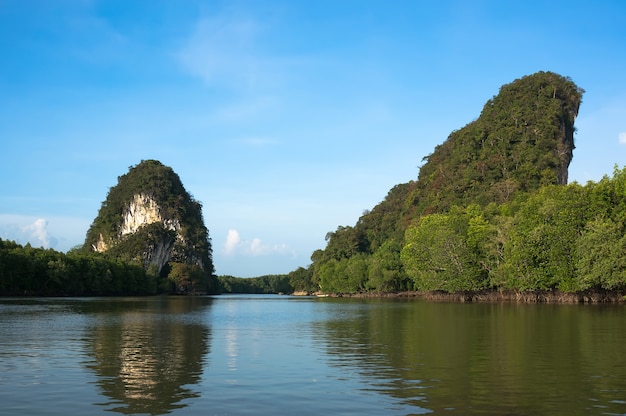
<point>522,140</point>
<point>188,243</point>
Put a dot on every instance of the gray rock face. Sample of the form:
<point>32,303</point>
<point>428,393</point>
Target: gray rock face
<point>148,217</point>
<point>142,211</point>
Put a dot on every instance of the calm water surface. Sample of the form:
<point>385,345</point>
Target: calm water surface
<point>279,355</point>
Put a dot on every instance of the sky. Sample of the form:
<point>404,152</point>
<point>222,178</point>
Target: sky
<point>285,119</point>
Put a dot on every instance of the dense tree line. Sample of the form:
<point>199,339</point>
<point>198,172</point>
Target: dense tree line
<point>297,281</point>
<point>25,270</point>
<point>268,284</point>
<point>570,238</point>
<point>30,271</point>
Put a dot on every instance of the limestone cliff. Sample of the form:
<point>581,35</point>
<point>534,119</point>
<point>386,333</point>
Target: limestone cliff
<point>149,218</point>
<point>522,140</point>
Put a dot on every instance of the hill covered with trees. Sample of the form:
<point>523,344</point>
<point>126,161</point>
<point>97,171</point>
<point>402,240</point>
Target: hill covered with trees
<point>490,210</point>
<point>149,218</point>
<point>149,237</point>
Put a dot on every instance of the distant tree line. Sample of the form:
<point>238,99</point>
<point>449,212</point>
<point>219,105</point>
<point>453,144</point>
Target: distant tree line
<point>30,271</point>
<point>268,284</point>
<point>299,280</point>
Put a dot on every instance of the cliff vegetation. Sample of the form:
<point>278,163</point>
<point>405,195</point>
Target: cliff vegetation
<point>149,237</point>
<point>491,210</point>
<point>149,218</point>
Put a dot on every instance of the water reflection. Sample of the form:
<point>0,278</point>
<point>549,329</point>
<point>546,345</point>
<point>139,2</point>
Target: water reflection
<point>148,353</point>
<point>492,358</point>
<point>276,355</point>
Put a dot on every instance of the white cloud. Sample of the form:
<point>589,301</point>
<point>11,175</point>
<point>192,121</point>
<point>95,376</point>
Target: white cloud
<point>36,233</point>
<point>622,137</point>
<point>57,232</point>
<point>255,247</point>
<point>232,241</point>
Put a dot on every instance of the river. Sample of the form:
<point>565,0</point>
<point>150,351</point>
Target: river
<point>282,355</point>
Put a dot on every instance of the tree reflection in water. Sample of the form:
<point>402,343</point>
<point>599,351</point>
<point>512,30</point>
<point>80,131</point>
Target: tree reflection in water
<point>482,358</point>
<point>149,353</point>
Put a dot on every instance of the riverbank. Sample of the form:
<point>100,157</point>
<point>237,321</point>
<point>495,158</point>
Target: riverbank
<point>544,296</point>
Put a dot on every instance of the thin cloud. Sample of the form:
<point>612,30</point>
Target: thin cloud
<point>236,52</point>
<point>247,109</point>
<point>622,138</point>
<point>221,50</point>
<point>255,247</point>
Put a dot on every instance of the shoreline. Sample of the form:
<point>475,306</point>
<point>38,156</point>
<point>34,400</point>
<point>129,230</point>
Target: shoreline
<point>486,296</point>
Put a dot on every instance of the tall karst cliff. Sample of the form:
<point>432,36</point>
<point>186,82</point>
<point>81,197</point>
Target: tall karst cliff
<point>523,139</point>
<point>149,218</point>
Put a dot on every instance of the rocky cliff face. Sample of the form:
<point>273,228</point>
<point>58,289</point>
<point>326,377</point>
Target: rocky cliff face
<point>149,218</point>
<point>143,210</point>
<point>565,150</point>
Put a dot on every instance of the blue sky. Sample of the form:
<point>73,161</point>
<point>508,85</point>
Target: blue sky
<point>285,119</point>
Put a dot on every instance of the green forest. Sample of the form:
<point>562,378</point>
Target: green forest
<point>172,255</point>
<point>29,271</point>
<point>491,210</point>
<point>269,284</point>
<point>569,238</point>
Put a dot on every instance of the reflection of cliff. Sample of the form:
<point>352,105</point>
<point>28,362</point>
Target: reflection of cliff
<point>496,358</point>
<point>149,353</point>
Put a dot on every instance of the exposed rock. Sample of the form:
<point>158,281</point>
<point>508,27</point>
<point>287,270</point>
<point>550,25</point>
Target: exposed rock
<point>149,217</point>
<point>142,210</point>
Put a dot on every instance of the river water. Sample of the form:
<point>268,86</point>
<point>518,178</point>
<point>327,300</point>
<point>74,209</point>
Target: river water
<point>281,355</point>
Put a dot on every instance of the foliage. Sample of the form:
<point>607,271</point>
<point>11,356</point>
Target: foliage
<point>190,243</point>
<point>522,141</point>
<point>269,284</point>
<point>447,251</point>
<point>569,238</point>
<point>540,249</point>
<point>25,270</point>
<point>187,278</point>
<point>600,261</point>
<point>386,271</point>
<point>301,280</point>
